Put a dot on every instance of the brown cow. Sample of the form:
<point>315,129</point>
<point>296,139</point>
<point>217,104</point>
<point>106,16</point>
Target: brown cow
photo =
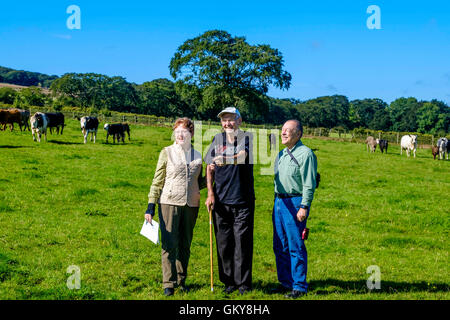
<point>9,117</point>
<point>25,118</point>
<point>434,151</point>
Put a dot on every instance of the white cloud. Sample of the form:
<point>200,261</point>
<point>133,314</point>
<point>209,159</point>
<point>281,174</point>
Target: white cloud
<point>63,36</point>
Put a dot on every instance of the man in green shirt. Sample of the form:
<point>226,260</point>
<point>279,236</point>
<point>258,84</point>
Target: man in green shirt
<point>295,183</point>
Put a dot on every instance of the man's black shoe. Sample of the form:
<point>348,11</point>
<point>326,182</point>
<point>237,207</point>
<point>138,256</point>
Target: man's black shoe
<point>294,294</point>
<point>229,289</point>
<point>280,290</point>
<point>184,288</point>
<point>168,291</point>
<point>243,290</point>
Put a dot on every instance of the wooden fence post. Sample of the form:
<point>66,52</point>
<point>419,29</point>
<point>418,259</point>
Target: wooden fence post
<point>397,137</point>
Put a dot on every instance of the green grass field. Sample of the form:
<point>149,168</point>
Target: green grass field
<point>64,203</point>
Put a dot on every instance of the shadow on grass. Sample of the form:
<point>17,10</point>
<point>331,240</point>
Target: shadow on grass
<point>360,287</point>
<point>13,147</point>
<point>332,286</point>
<point>63,142</point>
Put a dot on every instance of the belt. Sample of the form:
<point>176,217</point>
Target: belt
<point>288,195</point>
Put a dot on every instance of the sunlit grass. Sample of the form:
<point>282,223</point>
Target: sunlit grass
<point>66,203</point>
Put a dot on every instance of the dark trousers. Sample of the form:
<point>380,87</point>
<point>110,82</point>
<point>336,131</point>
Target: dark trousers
<point>177,227</point>
<point>233,227</point>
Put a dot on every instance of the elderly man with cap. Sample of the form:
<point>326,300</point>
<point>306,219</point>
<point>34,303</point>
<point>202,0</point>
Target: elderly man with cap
<point>295,183</point>
<point>231,196</point>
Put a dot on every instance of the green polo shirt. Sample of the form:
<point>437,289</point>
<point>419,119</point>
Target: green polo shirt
<point>293,178</point>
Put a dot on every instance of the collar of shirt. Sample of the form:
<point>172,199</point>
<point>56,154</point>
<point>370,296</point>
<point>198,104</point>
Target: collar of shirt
<point>298,144</point>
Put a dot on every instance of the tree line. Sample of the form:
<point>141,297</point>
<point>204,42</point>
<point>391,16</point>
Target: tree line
<point>216,70</point>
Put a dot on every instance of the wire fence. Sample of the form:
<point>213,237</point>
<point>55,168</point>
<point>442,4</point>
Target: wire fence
<point>339,133</point>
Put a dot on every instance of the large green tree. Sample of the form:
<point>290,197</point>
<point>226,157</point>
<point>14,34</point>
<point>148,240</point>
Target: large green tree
<point>229,71</point>
<point>403,113</point>
<point>159,98</point>
<point>327,111</point>
<point>7,95</point>
<point>362,112</point>
<point>97,90</point>
<point>31,96</point>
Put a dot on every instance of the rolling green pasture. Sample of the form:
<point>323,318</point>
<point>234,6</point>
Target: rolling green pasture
<point>65,203</point>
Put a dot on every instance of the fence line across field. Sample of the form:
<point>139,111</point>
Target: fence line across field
<point>356,135</point>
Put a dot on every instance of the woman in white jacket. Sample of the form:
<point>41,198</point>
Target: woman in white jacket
<point>176,187</point>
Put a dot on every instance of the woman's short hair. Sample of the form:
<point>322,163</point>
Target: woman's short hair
<point>185,122</point>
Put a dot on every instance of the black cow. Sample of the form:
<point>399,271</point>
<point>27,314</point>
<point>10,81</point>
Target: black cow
<point>55,120</point>
<point>383,144</point>
<point>116,130</point>
<point>126,128</point>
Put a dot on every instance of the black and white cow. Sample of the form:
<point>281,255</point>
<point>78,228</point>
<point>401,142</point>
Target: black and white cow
<point>383,144</point>
<point>116,130</point>
<point>39,122</point>
<point>442,144</point>
<point>55,120</point>
<point>89,125</point>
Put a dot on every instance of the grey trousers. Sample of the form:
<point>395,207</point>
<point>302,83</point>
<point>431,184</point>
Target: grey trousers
<point>177,226</point>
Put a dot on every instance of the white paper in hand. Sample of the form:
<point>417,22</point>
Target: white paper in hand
<point>151,231</point>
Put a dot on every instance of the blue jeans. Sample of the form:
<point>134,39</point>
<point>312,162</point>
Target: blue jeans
<point>288,246</point>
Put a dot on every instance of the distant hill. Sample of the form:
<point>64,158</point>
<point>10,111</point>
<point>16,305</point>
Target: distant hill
<point>25,78</point>
<point>17,87</point>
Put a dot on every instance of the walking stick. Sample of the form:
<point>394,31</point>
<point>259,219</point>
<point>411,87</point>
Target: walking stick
<point>211,248</point>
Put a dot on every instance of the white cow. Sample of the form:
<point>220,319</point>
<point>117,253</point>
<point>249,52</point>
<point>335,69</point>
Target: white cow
<point>442,144</point>
<point>39,122</point>
<point>408,142</point>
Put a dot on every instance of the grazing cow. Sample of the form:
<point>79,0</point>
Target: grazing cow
<point>371,144</point>
<point>434,151</point>
<point>39,123</point>
<point>89,125</point>
<point>116,130</point>
<point>442,144</point>
<point>9,117</point>
<point>383,144</point>
<point>55,120</point>
<point>25,118</point>
<point>126,128</point>
<point>272,141</point>
<point>408,142</point>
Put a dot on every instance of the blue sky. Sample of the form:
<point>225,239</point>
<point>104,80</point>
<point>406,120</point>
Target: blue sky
<point>326,45</point>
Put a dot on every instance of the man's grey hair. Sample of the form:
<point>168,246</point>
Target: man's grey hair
<point>298,125</point>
